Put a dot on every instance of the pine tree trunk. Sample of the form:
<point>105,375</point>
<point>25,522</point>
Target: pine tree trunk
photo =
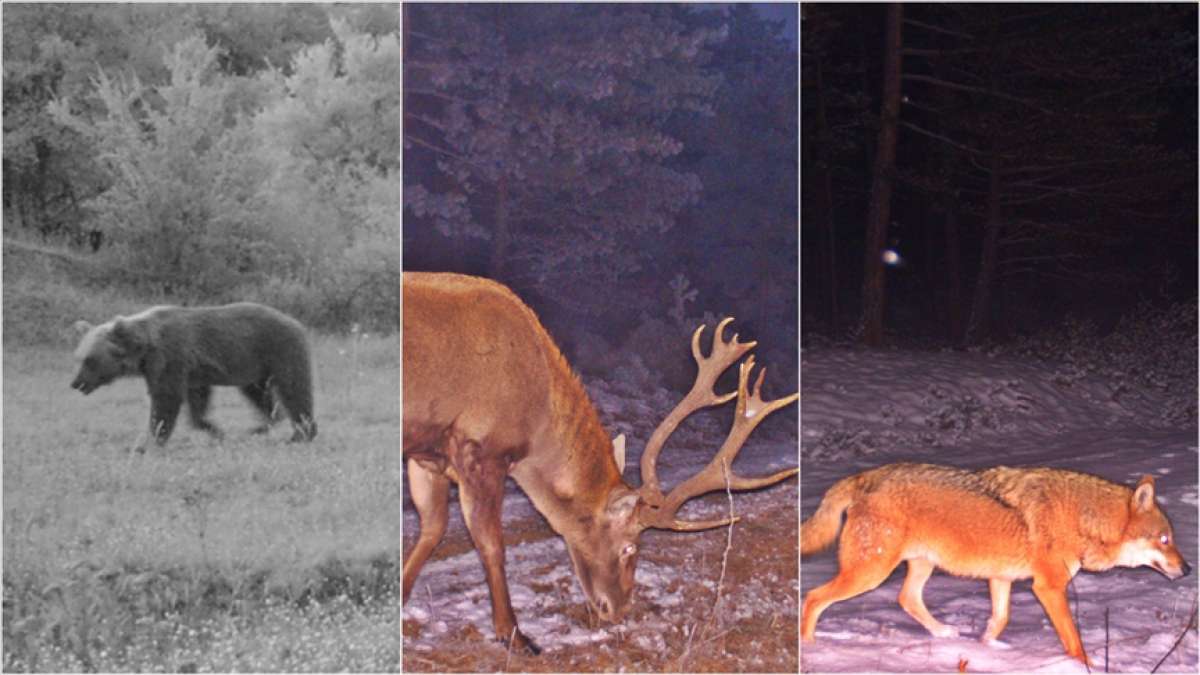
<point>954,299</point>
<point>879,208</point>
<point>933,309</point>
<point>825,201</point>
<point>981,305</point>
<point>501,236</point>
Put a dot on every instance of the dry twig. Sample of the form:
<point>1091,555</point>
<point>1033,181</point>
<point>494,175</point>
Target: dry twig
<point>1191,622</point>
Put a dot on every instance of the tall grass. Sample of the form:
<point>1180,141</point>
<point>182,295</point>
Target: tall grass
<point>245,554</point>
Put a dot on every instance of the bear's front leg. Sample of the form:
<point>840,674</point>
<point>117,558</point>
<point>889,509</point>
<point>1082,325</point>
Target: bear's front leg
<point>164,408</point>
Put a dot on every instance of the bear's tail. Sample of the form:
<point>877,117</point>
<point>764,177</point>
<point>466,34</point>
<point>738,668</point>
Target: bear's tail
<point>822,528</point>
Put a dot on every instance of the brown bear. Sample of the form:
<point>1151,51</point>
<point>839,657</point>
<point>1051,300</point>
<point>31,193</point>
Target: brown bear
<point>183,352</point>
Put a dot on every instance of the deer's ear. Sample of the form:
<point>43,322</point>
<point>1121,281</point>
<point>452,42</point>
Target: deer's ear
<point>623,504</point>
<point>619,452</point>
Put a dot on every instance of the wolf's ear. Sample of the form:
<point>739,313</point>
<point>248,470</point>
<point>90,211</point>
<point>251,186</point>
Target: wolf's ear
<point>1143,494</point>
<point>81,327</point>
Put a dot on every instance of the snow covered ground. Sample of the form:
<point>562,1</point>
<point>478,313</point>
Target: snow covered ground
<point>862,409</point>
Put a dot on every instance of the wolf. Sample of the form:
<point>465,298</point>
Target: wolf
<point>1001,524</point>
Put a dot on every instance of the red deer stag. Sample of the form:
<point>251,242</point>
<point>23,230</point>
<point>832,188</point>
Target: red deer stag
<point>488,394</point>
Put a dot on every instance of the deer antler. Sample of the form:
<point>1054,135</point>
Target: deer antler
<point>751,409</point>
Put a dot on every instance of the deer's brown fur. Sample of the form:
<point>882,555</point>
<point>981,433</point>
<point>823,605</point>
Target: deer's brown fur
<point>488,394</point>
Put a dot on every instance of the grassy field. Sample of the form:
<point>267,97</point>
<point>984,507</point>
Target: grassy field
<point>248,554</point>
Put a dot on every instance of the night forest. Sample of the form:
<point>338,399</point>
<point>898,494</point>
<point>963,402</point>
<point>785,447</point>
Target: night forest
<point>976,172</point>
<point>629,170</point>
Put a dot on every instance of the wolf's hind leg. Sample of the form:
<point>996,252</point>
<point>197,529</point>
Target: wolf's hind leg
<point>1000,590</point>
<point>912,601</point>
<point>864,561</point>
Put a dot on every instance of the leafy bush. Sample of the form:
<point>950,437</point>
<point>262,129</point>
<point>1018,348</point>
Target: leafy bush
<point>277,186</point>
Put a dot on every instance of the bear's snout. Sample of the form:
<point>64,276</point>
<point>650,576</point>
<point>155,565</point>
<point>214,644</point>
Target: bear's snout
<point>82,385</point>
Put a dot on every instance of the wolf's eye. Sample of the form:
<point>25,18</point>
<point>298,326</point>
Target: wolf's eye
<point>629,550</point>
<point>1164,539</point>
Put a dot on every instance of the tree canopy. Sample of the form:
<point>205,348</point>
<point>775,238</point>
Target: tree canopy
<point>647,152</point>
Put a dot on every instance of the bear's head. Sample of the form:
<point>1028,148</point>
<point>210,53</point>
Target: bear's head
<point>108,351</point>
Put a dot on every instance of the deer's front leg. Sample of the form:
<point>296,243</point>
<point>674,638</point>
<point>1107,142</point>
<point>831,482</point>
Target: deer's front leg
<point>430,494</point>
<point>481,493</point>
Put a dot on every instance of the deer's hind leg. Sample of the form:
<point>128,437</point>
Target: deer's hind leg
<point>430,493</point>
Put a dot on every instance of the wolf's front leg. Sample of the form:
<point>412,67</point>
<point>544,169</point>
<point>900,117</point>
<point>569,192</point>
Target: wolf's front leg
<point>1050,587</point>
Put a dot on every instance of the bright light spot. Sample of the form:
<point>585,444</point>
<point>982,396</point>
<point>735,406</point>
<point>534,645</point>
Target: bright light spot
<point>890,257</point>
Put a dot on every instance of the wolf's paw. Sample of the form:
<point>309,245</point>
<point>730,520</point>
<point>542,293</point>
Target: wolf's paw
<point>996,644</point>
<point>944,631</point>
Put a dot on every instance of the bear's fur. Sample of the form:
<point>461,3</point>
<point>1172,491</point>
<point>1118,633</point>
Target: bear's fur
<point>183,352</point>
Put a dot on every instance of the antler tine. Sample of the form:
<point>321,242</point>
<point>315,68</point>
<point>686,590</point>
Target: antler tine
<point>751,409</point>
<point>722,355</point>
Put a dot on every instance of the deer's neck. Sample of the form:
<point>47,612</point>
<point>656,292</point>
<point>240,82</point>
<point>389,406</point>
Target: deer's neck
<point>570,471</point>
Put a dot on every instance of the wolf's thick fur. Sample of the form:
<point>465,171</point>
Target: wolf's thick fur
<point>183,352</point>
<point>1001,524</point>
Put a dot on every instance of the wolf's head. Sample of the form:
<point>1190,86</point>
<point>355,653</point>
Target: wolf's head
<point>1148,538</point>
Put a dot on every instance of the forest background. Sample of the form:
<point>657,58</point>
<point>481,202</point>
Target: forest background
<point>199,154</point>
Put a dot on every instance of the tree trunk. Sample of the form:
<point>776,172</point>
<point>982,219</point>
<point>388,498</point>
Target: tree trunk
<point>954,309</point>
<point>979,322</point>
<point>879,208</point>
<point>952,314</point>
<point>933,309</point>
<point>501,236</point>
<point>981,305</point>
<point>824,196</point>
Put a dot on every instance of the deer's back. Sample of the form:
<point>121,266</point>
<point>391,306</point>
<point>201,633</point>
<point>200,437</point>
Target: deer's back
<point>474,364</point>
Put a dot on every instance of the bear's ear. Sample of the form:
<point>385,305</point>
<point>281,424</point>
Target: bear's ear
<point>129,335</point>
<point>81,327</point>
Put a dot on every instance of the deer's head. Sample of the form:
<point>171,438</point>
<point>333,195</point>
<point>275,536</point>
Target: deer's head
<point>604,549</point>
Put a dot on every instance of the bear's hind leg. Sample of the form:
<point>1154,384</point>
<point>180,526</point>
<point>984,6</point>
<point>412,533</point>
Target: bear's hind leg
<point>198,399</point>
<point>260,396</point>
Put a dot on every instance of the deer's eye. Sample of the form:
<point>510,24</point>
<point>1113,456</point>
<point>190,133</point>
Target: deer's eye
<point>1164,539</point>
<point>629,550</point>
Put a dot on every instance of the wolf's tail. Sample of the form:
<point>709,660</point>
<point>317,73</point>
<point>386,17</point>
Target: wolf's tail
<point>822,528</point>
